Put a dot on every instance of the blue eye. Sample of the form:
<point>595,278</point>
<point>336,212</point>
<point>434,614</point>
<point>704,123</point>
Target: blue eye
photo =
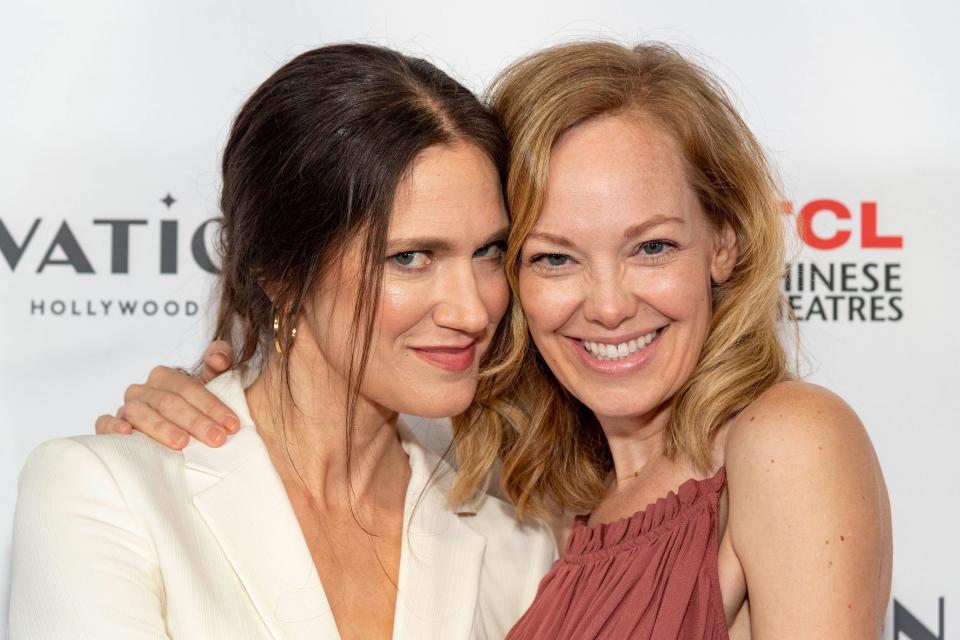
<point>655,247</point>
<point>551,261</point>
<point>652,248</point>
<point>410,259</point>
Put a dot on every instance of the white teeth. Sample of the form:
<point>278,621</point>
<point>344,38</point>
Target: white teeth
<point>603,351</point>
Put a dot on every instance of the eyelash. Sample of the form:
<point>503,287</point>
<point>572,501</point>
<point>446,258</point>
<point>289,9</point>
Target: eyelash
<point>668,246</point>
<point>501,245</point>
<point>394,258</point>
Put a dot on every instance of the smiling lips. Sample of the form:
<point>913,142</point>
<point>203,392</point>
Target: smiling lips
<point>606,351</point>
<point>450,358</point>
<point>622,357</point>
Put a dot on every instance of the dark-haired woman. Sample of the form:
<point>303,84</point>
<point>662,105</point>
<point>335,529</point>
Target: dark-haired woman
<point>362,278</point>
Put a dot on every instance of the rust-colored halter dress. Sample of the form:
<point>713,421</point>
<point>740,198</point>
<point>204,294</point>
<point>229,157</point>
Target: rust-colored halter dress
<point>652,575</point>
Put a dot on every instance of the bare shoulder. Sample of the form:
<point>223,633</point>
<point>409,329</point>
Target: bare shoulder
<point>802,423</point>
<point>809,516</point>
<point>801,445</point>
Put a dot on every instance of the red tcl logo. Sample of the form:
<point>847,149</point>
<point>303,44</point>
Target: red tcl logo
<point>870,238</point>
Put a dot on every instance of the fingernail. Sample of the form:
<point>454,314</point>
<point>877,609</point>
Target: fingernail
<point>124,428</point>
<point>221,359</point>
<point>216,436</point>
<point>231,424</point>
<point>180,440</point>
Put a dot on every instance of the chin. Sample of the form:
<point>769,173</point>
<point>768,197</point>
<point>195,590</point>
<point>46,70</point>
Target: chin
<point>438,411</point>
<point>447,403</point>
<point>608,407</point>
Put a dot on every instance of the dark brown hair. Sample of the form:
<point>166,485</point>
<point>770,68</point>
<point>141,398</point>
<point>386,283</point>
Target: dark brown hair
<point>313,161</point>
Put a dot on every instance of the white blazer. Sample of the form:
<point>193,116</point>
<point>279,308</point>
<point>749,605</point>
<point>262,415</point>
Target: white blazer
<point>120,537</point>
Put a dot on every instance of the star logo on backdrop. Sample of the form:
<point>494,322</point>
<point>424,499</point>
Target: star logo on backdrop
<point>168,200</point>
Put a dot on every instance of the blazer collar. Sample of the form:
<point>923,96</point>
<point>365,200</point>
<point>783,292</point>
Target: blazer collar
<point>441,557</point>
<point>241,498</point>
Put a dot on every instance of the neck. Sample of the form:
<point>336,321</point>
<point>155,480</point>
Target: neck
<point>636,443</point>
<point>303,421</point>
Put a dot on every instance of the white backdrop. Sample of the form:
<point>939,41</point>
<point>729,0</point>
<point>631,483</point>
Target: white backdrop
<point>107,108</point>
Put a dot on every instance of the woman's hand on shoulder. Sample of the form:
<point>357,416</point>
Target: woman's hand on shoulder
<point>172,405</point>
<point>809,516</point>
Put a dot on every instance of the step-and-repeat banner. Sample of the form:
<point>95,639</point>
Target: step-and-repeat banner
<point>112,118</point>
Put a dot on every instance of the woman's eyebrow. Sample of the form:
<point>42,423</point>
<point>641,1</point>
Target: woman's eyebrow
<point>419,243</point>
<point>433,243</point>
<point>549,237</point>
<point>500,235</point>
<point>640,228</point>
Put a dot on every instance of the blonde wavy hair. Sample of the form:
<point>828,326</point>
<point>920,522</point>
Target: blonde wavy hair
<point>553,452</point>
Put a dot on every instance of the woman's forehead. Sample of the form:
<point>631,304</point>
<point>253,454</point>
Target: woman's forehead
<point>447,189</point>
<point>620,170</point>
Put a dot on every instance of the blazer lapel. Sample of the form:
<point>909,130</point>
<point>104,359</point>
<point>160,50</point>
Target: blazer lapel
<point>242,500</point>
<point>441,557</point>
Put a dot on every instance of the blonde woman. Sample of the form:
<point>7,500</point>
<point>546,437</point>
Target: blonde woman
<point>644,383</point>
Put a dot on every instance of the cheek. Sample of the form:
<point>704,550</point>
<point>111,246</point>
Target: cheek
<point>329,319</point>
<point>402,305</point>
<point>678,292</point>
<point>495,295</point>
<point>548,302</point>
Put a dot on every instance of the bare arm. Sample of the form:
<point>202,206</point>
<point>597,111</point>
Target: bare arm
<point>171,406</point>
<point>809,517</point>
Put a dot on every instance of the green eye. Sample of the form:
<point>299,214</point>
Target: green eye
<point>410,259</point>
<point>556,259</point>
<point>492,250</point>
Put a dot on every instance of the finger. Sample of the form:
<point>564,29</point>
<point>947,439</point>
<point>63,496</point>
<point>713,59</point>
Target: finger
<point>109,424</point>
<point>192,391</point>
<point>217,358</point>
<point>211,406</point>
<point>202,400</point>
<point>151,423</point>
<point>176,408</point>
<point>160,377</point>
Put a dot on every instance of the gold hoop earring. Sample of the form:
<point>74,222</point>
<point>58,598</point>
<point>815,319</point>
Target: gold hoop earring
<point>276,332</point>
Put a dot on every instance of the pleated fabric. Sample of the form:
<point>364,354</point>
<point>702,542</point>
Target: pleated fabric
<point>652,575</point>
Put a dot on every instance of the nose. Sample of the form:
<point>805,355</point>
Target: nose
<point>460,303</point>
<point>608,300</point>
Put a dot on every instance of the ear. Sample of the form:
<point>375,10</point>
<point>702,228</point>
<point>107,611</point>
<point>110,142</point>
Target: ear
<point>724,254</point>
